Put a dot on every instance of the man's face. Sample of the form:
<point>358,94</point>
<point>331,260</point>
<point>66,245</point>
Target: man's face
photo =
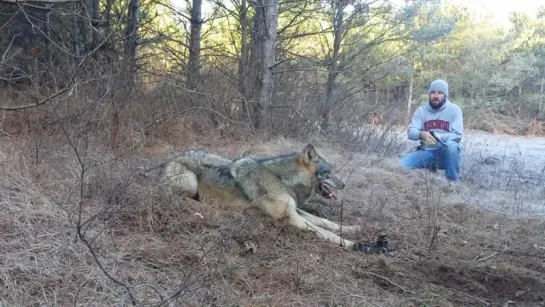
<point>436,97</point>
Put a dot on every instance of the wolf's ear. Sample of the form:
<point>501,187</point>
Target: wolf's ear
<point>309,154</point>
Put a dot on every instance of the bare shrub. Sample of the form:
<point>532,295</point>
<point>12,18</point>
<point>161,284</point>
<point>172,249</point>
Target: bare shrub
<point>495,122</point>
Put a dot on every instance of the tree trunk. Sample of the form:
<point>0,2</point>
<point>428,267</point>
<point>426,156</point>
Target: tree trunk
<point>540,104</point>
<point>473,95</point>
<point>269,58</point>
<point>243,61</point>
<point>95,16</point>
<point>131,36</point>
<point>410,99</point>
<point>77,37</point>
<point>332,73</point>
<point>108,15</point>
<point>194,64</point>
<point>84,25</point>
<point>47,44</point>
<point>256,57</point>
<point>377,94</point>
<point>263,60</point>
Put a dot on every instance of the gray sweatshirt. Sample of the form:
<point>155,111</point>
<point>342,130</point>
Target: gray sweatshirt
<point>448,122</point>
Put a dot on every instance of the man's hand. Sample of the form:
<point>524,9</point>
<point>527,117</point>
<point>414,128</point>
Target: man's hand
<point>427,138</point>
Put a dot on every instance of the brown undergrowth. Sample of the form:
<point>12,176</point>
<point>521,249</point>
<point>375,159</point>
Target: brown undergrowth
<point>495,122</point>
<point>112,237</point>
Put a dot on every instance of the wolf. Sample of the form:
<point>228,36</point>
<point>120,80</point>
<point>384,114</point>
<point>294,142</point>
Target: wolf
<point>276,185</point>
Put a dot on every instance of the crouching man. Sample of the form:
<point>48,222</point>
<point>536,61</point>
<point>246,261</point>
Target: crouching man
<point>445,119</point>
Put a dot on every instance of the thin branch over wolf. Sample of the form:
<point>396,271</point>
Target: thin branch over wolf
<point>276,185</point>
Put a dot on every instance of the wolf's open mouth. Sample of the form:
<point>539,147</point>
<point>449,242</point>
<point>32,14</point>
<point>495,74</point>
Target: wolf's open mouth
<point>327,191</point>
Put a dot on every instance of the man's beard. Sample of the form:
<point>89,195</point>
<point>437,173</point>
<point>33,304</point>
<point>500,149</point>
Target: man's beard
<point>436,107</point>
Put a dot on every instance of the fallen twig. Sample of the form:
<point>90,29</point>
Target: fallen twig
<point>487,257</point>
<point>391,282</point>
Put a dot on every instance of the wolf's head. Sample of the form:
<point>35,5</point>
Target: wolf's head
<point>326,182</point>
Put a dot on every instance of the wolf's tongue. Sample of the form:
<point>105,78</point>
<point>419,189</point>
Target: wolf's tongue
<point>329,191</point>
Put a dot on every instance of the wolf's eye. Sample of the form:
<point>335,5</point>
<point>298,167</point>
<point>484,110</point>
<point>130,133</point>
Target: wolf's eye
<point>324,174</point>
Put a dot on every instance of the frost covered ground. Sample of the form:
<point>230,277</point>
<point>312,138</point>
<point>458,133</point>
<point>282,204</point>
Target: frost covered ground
<point>504,173</point>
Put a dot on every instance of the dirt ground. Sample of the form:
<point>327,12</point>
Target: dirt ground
<point>138,246</point>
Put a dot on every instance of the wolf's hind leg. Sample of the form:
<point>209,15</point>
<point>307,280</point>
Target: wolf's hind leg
<point>180,180</point>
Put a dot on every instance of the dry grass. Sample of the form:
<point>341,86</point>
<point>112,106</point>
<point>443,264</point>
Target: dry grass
<point>180,252</point>
<point>491,121</point>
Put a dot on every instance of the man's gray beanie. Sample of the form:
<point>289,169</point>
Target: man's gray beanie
<point>439,85</point>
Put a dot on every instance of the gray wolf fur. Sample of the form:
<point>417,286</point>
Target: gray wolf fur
<point>276,185</point>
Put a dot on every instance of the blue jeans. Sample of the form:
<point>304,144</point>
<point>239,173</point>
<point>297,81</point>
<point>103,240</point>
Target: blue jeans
<point>447,158</point>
